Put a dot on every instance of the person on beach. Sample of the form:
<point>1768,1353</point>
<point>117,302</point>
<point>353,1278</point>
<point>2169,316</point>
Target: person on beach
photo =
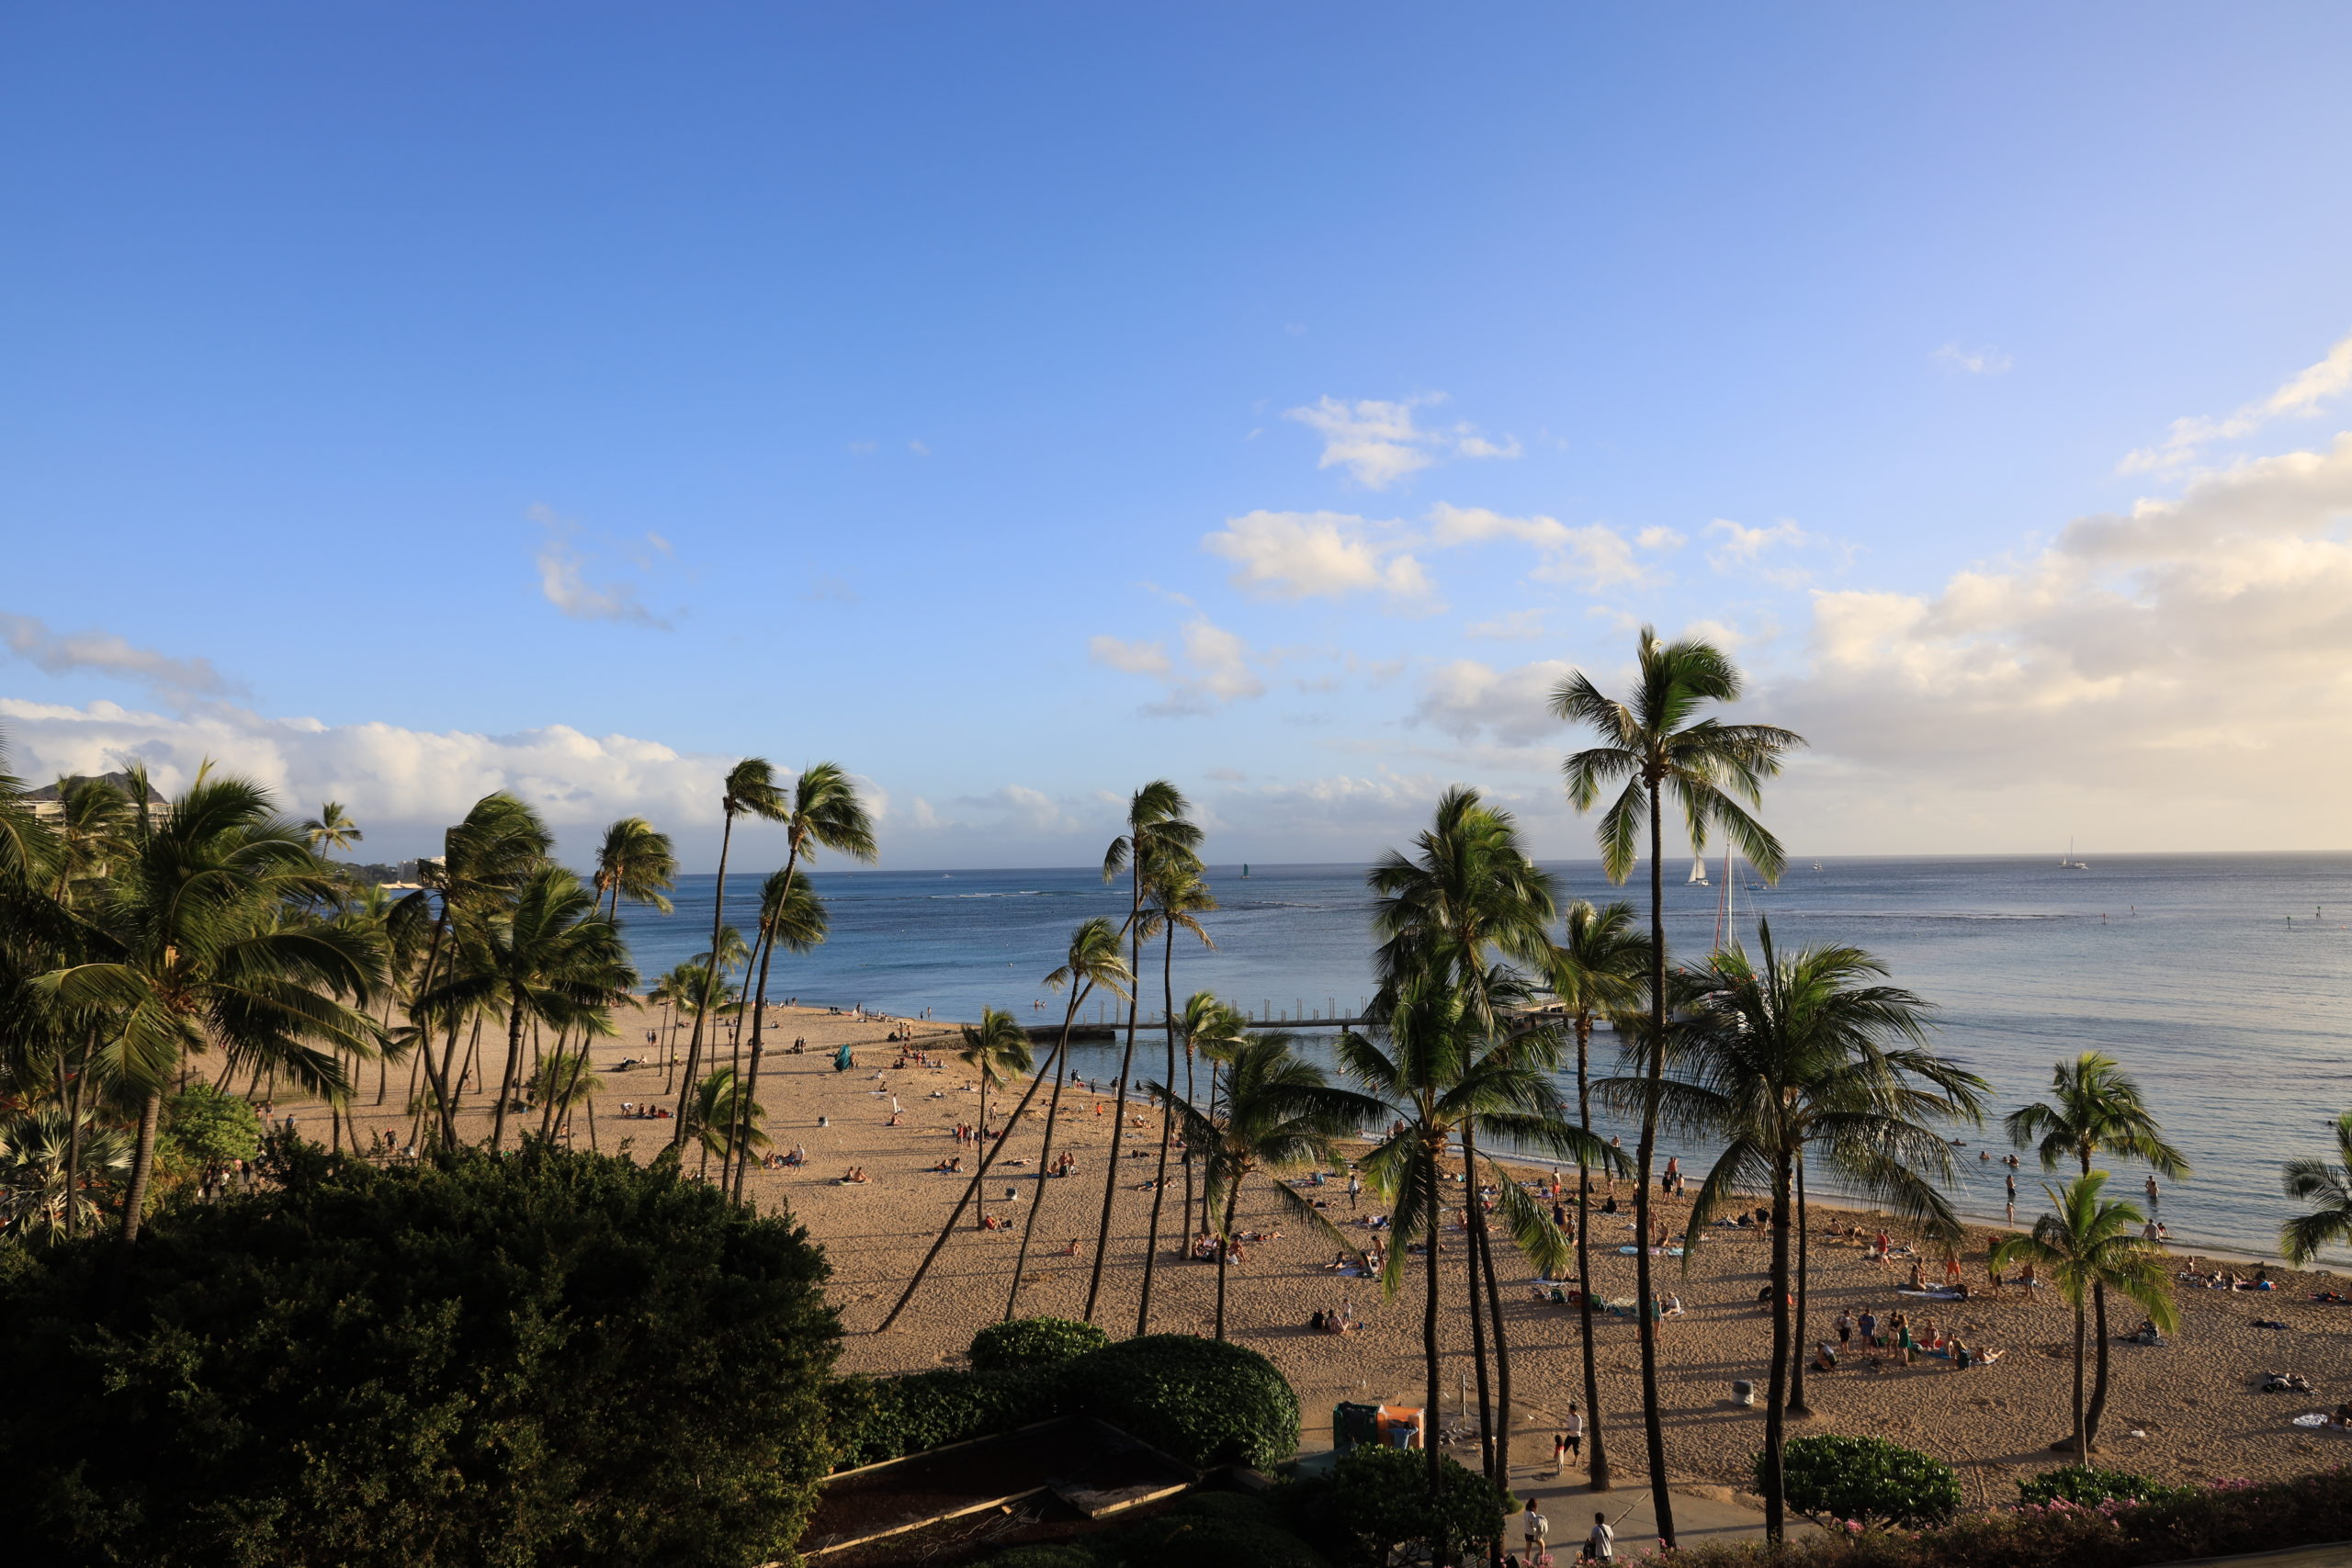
<point>1869,1329</point>
<point>1569,1444</point>
<point>1535,1526</point>
<point>1601,1544</point>
<point>1844,1329</point>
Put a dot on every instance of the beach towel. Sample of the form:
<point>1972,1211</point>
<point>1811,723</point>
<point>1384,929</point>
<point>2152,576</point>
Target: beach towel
<point>2316,1418</point>
<point>1930,1295</point>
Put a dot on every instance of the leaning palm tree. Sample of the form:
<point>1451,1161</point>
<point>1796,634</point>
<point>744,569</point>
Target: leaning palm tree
<point>552,959</point>
<point>1595,972</point>
<point>720,1114</point>
<point>330,829</point>
<point>1809,1051</point>
<point>1278,1116</point>
<point>1093,960</point>
<point>1178,896</point>
<point>1657,746</point>
<point>2094,1107</point>
<point>1159,843</point>
<point>2329,1181</point>
<point>636,862</point>
<point>824,811</point>
<point>1467,896</point>
<point>749,791</point>
<point>189,946</point>
<point>1213,1029</point>
<point>791,916</point>
<point>998,1049</point>
<point>2086,1245</point>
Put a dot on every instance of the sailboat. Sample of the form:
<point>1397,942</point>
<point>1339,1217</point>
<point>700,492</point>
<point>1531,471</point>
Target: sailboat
<point>1698,877</point>
<point>2070,862</point>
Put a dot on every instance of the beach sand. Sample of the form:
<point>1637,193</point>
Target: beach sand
<point>2195,1400</point>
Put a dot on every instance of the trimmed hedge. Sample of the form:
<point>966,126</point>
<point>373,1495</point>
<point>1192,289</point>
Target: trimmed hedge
<point>1375,1498</point>
<point>1866,1480</point>
<point>1197,1400</point>
<point>1033,1342</point>
<point>2088,1486</point>
<point>883,1418</point>
<point>2229,1518</point>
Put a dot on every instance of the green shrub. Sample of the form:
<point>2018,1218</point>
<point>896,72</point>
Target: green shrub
<point>1868,1480</point>
<point>1376,1498</point>
<point>2088,1486</point>
<point>204,1131</point>
<point>1220,1527</point>
<point>541,1359</point>
<point>1197,1400</point>
<point>1033,1342</point>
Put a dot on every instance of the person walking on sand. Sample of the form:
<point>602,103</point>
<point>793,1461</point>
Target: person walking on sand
<point>1535,1527</point>
<point>1571,1440</point>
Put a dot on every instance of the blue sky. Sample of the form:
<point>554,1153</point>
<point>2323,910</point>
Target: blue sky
<point>1016,402</point>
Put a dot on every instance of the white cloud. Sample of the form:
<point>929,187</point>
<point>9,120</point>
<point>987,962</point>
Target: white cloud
<point>1134,657</point>
<point>1972,361</point>
<point>1743,548</point>
<point>1593,557</point>
<point>562,574</point>
<point>1325,555</point>
<point>2300,395</point>
<point>1466,699</point>
<point>1221,661</point>
<point>1512,625</point>
<point>104,653</point>
<point>1657,536</point>
<point>1379,443</point>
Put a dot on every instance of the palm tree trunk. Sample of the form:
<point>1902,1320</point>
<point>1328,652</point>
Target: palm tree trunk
<point>1167,1129</point>
<point>710,983</point>
<point>1478,1329</point>
<point>74,1142</point>
<point>1596,1466</point>
<point>1797,1406</point>
<point>980,1144</point>
<point>1225,1245</point>
<point>988,1158</point>
<point>1192,1086</point>
<point>759,1021</point>
<point>1206,1225</point>
<point>142,1170</point>
<point>1652,1420</point>
<point>592,1124</point>
<point>1503,1355</point>
<point>507,1078</point>
<point>1775,1413</point>
<point>1046,1150</point>
<point>1119,1106</point>
<point>1429,1342</point>
<point>2082,1432</point>
<point>2099,1354</point>
<point>558,1088</point>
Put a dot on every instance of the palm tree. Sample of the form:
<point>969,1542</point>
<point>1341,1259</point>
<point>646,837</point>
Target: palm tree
<point>564,1082</point>
<point>94,830</point>
<point>2302,1238</point>
<point>1441,1077</point>
<point>1178,896</point>
<point>330,829</point>
<point>485,860</point>
<point>41,1190</point>
<point>552,959</point>
<point>636,862</point>
<point>1280,1115</point>
<point>1158,842</point>
<point>2094,1107</point>
<point>1801,1052</point>
<point>720,1111</point>
<point>1595,972</point>
<point>1092,959</point>
<point>2088,1244</point>
<point>1213,1029</point>
<point>680,990</point>
<point>1468,896</point>
<point>188,946</point>
<point>791,916</point>
<point>749,791</point>
<point>999,1051</point>
<point>824,812</point>
<point>1658,746</point>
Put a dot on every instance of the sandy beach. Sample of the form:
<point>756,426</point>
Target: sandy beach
<point>2190,1410</point>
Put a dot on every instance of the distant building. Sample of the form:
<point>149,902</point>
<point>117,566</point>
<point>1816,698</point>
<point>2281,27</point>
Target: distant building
<point>47,803</point>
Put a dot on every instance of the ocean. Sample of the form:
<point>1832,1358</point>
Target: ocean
<point>2222,982</point>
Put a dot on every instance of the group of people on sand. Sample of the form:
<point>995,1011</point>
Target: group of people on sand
<point>636,1113</point>
<point>2226,1278</point>
<point>1327,1322</point>
<point>1901,1344</point>
<point>854,1174</point>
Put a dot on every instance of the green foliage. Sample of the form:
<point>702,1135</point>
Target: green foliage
<point>1221,1527</point>
<point>892,1417</point>
<point>1868,1480</point>
<point>1060,1554</point>
<point>499,1363</point>
<point>1199,1401</point>
<point>205,1130</point>
<point>2088,1486</point>
<point>1033,1342</point>
<point>1378,1499</point>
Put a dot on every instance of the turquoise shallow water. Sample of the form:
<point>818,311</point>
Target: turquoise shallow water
<point>2222,981</point>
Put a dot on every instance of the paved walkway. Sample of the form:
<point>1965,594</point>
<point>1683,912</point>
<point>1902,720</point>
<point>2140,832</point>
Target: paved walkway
<point>1567,1505</point>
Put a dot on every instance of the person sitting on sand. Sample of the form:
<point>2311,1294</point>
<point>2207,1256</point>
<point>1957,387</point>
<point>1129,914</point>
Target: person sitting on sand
<point>1673,1306</point>
<point>1071,1250</point>
<point>1824,1360</point>
<point>1918,1275</point>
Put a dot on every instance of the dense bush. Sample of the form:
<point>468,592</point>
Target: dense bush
<point>204,1131</point>
<point>547,1358</point>
<point>1376,1498</point>
<point>1033,1342</point>
<point>884,1418</point>
<point>2088,1486</point>
<point>2232,1518</point>
<point>1197,1400</point>
<point>1867,1480</point>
